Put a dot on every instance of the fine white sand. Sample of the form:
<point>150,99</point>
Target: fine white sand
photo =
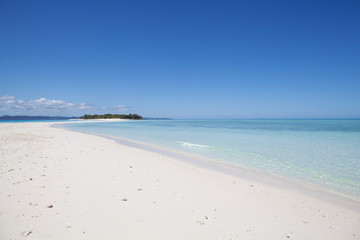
<point>58,184</point>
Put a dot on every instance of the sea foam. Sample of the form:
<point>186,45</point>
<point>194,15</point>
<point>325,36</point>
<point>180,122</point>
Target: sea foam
<point>187,144</point>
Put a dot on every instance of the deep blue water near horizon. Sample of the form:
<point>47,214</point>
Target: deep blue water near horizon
<point>325,152</point>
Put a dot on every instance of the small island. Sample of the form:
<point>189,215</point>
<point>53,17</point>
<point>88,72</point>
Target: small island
<point>113,116</point>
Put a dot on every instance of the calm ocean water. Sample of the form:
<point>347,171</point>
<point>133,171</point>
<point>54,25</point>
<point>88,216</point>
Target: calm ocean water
<point>323,152</point>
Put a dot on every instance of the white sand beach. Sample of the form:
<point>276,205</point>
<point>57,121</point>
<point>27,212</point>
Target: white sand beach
<point>59,184</point>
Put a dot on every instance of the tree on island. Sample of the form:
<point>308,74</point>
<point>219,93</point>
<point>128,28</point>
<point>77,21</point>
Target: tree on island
<point>113,116</point>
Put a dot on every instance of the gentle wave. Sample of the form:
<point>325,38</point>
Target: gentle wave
<point>187,144</point>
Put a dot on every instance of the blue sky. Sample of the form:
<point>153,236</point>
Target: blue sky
<point>180,59</point>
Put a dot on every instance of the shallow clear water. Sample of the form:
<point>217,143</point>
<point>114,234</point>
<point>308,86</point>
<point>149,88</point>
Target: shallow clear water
<point>324,152</point>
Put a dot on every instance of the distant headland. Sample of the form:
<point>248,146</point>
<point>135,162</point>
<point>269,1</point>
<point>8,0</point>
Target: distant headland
<point>113,116</point>
<point>7,117</point>
<point>85,117</point>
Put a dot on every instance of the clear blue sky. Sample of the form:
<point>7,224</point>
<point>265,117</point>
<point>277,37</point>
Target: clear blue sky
<point>181,59</point>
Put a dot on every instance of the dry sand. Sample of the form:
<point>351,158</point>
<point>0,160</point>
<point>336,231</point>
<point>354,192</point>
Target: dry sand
<point>58,184</point>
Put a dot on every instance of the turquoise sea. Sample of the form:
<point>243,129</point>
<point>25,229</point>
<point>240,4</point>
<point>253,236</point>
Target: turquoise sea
<point>321,152</point>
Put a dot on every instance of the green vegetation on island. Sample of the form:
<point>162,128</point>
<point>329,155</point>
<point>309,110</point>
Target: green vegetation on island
<point>113,116</point>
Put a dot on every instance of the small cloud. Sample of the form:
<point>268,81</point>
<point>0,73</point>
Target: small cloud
<point>11,105</point>
<point>43,103</point>
<point>7,97</point>
<point>83,106</point>
<point>121,108</point>
<point>114,109</point>
<point>8,101</point>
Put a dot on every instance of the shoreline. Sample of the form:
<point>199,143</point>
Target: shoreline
<point>60,184</point>
<point>275,180</point>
